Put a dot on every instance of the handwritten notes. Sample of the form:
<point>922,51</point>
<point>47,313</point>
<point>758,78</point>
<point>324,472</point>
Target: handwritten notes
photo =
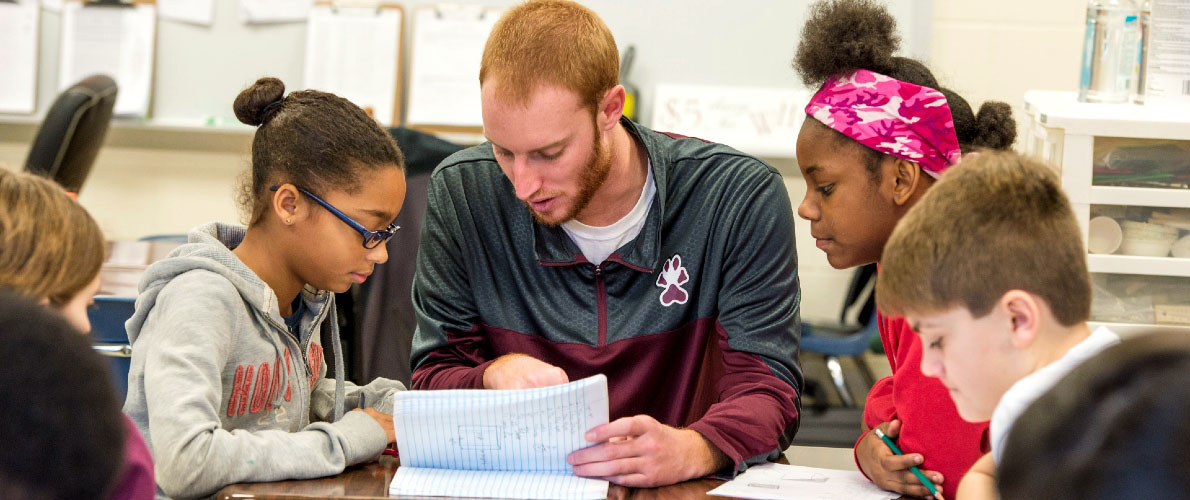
<point>497,444</point>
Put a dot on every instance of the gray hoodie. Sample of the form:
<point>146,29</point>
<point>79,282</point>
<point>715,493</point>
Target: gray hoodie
<point>224,393</point>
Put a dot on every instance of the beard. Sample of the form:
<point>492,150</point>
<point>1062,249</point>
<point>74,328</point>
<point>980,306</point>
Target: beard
<point>594,173</point>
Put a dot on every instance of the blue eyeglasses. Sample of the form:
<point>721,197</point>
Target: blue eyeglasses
<point>372,239</point>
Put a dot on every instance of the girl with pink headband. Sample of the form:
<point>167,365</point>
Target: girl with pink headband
<point>879,131</point>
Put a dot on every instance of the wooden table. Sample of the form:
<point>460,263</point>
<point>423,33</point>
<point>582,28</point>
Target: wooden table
<point>372,480</point>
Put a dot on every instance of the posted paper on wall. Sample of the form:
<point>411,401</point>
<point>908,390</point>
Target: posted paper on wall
<point>498,444</point>
<point>114,41</point>
<point>447,45</point>
<point>758,121</point>
<point>18,56</point>
<point>353,53</point>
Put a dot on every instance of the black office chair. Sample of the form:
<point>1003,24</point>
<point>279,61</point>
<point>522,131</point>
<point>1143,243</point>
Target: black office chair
<point>851,336</point>
<point>379,331</point>
<point>72,132</point>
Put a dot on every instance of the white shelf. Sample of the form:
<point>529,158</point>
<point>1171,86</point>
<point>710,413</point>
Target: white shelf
<point>1130,264</point>
<point>1142,197</point>
<point>1133,329</point>
<point>1061,109</point>
<point>149,134</point>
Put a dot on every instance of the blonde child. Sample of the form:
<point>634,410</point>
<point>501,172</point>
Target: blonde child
<point>234,331</point>
<point>51,250</point>
<point>989,269</point>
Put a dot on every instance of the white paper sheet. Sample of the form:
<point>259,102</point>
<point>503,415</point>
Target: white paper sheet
<point>353,53</point>
<point>1167,80</point>
<point>793,482</point>
<point>52,5</point>
<point>115,41</point>
<point>200,12</point>
<point>274,11</point>
<point>18,56</point>
<point>447,45</point>
<point>497,444</point>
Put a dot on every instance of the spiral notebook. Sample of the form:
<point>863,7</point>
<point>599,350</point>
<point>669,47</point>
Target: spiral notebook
<point>497,444</point>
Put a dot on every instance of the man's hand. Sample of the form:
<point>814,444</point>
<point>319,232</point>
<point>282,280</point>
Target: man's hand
<point>642,452</point>
<point>890,471</point>
<point>520,371</point>
<point>385,420</point>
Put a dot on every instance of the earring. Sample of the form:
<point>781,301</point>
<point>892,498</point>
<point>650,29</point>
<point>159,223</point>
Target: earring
<point>288,220</point>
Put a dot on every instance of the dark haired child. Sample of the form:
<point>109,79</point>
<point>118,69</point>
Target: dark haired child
<point>1113,426</point>
<point>63,433</point>
<point>880,130</point>
<point>233,333</point>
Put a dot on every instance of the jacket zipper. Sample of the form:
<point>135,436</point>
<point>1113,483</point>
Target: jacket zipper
<point>601,301</point>
<point>302,351</point>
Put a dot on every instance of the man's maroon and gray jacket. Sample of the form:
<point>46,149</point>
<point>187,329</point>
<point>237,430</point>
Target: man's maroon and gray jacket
<point>695,322</point>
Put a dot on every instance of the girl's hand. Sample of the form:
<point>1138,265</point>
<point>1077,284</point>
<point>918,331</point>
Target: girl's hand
<point>890,471</point>
<point>385,420</point>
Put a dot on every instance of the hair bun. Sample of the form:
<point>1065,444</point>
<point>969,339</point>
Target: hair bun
<point>841,36</point>
<point>995,127</point>
<point>252,105</point>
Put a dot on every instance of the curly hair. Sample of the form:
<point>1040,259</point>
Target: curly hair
<point>841,36</point>
<point>315,140</point>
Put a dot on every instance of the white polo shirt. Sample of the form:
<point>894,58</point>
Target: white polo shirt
<point>1026,390</point>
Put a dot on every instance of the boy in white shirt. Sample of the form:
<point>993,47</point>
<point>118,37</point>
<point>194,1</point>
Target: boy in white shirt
<point>989,268</point>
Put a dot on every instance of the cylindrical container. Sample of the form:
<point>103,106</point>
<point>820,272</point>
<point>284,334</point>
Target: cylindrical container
<point>1110,51</point>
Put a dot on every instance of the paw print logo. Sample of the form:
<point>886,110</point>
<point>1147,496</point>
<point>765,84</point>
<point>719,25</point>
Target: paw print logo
<point>671,279</point>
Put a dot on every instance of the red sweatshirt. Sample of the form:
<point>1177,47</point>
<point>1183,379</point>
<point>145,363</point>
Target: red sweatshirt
<point>930,423</point>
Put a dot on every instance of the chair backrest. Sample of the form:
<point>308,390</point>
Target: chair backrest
<point>386,320</point>
<point>73,130</point>
<point>109,337</point>
<point>860,302</point>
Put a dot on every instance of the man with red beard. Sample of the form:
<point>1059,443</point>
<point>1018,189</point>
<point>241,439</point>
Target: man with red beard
<point>576,242</point>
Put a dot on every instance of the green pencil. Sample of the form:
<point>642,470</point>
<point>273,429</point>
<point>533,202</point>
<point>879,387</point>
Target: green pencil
<point>916,472</point>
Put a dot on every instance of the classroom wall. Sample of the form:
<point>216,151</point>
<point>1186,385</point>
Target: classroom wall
<point>984,50</point>
<point>997,50</point>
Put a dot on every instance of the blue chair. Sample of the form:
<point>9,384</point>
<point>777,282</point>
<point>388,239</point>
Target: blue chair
<point>848,338</point>
<point>179,238</point>
<point>109,337</point>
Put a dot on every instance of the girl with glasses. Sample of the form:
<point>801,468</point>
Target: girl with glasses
<point>237,368</point>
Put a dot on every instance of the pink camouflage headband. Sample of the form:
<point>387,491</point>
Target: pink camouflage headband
<point>908,121</point>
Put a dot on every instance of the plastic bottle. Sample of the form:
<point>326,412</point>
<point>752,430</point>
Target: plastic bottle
<point>1138,90</point>
<point>1110,51</point>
